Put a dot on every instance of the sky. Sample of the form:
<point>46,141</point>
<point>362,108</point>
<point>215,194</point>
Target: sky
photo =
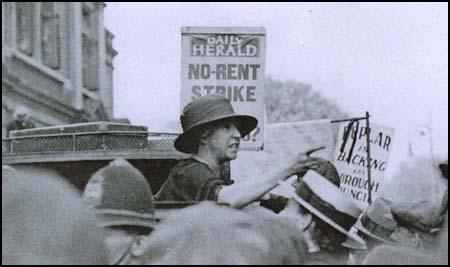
<point>390,59</point>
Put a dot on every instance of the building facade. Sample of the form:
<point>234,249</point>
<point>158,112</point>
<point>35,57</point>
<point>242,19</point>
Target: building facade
<point>57,61</point>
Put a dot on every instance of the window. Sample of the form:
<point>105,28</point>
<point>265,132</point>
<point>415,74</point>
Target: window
<point>90,49</point>
<point>25,27</point>
<point>50,39</point>
<point>38,29</point>
<point>7,11</point>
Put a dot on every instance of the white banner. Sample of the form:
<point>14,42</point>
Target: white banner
<point>284,140</point>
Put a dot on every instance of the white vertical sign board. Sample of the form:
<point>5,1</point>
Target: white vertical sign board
<point>228,61</point>
<point>350,159</point>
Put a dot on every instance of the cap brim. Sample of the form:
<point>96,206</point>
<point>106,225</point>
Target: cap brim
<point>108,218</point>
<point>322,216</point>
<point>350,243</point>
<point>185,142</point>
<point>358,225</point>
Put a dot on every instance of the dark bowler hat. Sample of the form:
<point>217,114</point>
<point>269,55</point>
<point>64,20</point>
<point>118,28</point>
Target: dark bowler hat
<point>207,109</point>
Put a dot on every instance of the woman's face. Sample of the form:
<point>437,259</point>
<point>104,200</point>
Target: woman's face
<point>224,141</point>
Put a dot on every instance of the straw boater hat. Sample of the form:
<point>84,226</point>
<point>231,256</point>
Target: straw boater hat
<point>205,110</point>
<point>378,222</point>
<point>324,199</point>
<point>121,196</point>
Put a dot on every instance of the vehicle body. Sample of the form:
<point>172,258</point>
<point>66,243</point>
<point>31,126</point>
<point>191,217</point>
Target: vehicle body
<point>77,151</point>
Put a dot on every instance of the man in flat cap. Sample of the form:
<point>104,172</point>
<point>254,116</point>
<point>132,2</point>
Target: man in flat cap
<point>211,134</point>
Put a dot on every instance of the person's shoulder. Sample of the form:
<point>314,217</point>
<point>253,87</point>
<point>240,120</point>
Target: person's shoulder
<point>191,166</point>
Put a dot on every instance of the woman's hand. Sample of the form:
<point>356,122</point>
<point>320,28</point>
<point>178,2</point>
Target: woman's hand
<point>301,162</point>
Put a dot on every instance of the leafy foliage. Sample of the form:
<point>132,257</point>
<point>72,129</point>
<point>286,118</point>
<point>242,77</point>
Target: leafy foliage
<point>297,101</point>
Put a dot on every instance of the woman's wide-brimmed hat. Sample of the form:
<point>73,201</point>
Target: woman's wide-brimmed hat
<point>378,222</point>
<point>207,109</point>
<point>324,199</point>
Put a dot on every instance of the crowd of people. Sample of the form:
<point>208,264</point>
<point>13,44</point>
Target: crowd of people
<point>114,221</point>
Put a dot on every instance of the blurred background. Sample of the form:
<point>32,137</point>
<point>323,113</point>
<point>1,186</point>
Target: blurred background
<point>323,61</point>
